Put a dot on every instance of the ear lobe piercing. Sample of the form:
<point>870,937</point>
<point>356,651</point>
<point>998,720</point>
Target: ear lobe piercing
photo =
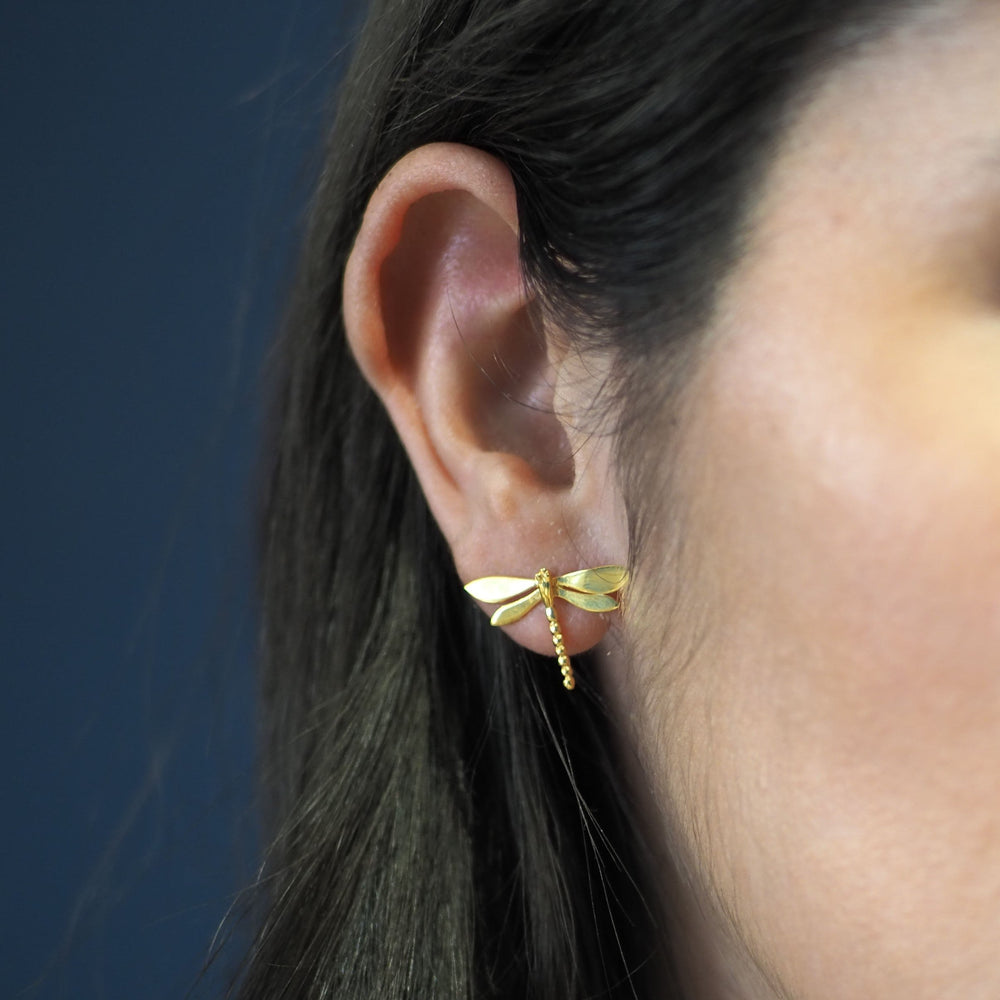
<point>590,589</point>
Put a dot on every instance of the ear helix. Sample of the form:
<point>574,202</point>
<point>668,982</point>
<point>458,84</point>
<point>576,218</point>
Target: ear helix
<point>594,590</point>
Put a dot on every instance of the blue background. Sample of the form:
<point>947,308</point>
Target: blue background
<point>155,164</point>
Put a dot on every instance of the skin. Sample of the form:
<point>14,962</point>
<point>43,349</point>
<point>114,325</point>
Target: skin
<point>806,670</point>
<point>825,764</point>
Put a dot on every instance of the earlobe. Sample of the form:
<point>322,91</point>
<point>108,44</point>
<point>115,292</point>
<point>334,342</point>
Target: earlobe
<point>437,316</point>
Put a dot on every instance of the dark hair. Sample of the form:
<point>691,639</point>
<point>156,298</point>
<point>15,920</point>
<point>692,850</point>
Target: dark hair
<point>445,820</point>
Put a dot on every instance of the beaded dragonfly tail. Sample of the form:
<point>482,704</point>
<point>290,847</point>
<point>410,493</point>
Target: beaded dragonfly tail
<point>543,581</point>
<point>569,681</point>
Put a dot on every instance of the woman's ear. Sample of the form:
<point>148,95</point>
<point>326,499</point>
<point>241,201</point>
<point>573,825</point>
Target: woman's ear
<point>438,318</point>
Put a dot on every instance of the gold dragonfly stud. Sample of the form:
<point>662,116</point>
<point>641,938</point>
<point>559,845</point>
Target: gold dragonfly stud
<point>590,589</point>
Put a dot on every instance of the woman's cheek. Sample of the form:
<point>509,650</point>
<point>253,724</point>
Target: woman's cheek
<point>844,708</point>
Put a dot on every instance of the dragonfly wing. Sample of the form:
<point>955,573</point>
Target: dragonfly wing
<point>602,580</point>
<point>494,589</point>
<point>516,610</point>
<point>589,602</point>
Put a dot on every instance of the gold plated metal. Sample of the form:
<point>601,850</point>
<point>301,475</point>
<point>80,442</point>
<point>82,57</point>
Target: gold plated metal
<point>590,589</point>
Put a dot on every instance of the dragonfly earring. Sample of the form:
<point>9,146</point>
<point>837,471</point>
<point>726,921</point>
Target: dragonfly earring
<point>590,589</point>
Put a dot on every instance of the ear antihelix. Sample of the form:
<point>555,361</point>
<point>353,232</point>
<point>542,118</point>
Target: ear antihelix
<point>597,590</point>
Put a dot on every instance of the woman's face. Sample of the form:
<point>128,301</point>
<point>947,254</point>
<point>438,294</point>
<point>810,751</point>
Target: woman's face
<point>827,758</point>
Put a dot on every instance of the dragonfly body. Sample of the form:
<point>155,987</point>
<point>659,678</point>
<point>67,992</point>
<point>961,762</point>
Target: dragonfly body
<point>590,589</point>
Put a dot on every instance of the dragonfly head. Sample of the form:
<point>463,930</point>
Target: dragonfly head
<point>543,579</point>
